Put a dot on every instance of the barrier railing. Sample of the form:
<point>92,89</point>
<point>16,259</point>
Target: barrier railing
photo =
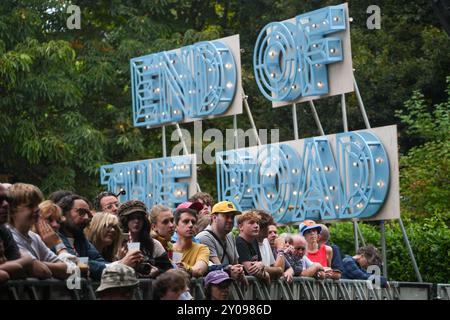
<point>300,289</point>
<point>443,291</point>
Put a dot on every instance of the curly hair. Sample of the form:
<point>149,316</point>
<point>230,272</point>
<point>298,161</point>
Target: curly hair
<point>265,219</point>
<point>49,209</point>
<point>248,215</point>
<point>204,197</point>
<point>371,254</point>
<point>174,280</point>
<point>66,203</point>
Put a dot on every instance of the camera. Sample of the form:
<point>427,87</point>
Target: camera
<point>144,268</point>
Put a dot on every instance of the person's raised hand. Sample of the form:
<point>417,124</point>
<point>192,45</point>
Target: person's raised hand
<point>132,258</point>
<point>48,235</point>
<point>280,244</point>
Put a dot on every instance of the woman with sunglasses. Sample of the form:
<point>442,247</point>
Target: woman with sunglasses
<point>105,234</point>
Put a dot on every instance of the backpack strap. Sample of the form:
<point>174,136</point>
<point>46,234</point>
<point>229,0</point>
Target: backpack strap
<point>224,246</point>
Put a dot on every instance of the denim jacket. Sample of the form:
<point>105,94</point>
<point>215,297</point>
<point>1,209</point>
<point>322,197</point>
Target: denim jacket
<point>83,248</point>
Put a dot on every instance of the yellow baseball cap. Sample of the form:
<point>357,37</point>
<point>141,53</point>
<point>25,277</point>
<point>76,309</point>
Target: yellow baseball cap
<point>225,207</point>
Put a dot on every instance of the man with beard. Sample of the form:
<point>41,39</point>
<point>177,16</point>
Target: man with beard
<point>220,241</point>
<point>24,214</point>
<point>78,215</point>
<point>12,264</point>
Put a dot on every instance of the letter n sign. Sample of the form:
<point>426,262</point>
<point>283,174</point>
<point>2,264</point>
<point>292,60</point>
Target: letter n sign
<point>291,57</point>
<point>193,82</point>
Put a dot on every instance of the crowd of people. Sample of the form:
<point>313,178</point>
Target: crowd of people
<point>117,243</point>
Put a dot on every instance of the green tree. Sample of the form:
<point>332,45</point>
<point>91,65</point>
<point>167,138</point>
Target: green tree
<point>424,170</point>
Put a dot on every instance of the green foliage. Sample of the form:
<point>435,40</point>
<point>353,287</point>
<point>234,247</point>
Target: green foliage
<point>424,170</point>
<point>65,100</point>
<point>429,238</point>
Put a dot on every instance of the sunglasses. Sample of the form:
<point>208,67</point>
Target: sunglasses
<point>82,212</point>
<point>111,205</point>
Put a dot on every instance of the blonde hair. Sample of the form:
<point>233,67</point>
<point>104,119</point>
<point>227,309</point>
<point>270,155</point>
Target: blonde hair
<point>156,210</point>
<point>248,215</point>
<point>97,231</point>
<point>23,194</point>
<point>49,209</point>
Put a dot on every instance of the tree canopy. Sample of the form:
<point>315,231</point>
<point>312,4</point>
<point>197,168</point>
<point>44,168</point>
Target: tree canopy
<point>65,94</point>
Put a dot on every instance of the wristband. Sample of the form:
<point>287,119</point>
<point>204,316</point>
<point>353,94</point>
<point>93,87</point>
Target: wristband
<point>60,246</point>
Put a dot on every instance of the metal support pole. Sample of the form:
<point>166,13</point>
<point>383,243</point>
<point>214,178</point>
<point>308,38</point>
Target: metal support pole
<point>383,248</point>
<point>361,104</point>
<point>382,229</point>
<point>236,144</point>
<point>185,149</point>
<point>164,149</point>
<point>361,235</point>
<point>316,118</point>
<point>411,254</point>
<point>344,113</point>
<point>250,117</point>
<point>180,134</point>
<point>355,234</point>
<point>294,120</point>
<point>405,236</point>
<point>356,231</point>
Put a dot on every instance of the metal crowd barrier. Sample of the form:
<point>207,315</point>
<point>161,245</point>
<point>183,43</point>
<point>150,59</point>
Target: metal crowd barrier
<point>415,291</point>
<point>443,291</point>
<point>310,289</point>
<point>301,288</point>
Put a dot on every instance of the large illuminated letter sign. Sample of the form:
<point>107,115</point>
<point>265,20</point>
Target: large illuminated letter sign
<point>290,59</point>
<point>196,81</point>
<point>303,179</point>
<point>364,168</point>
<point>158,181</point>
